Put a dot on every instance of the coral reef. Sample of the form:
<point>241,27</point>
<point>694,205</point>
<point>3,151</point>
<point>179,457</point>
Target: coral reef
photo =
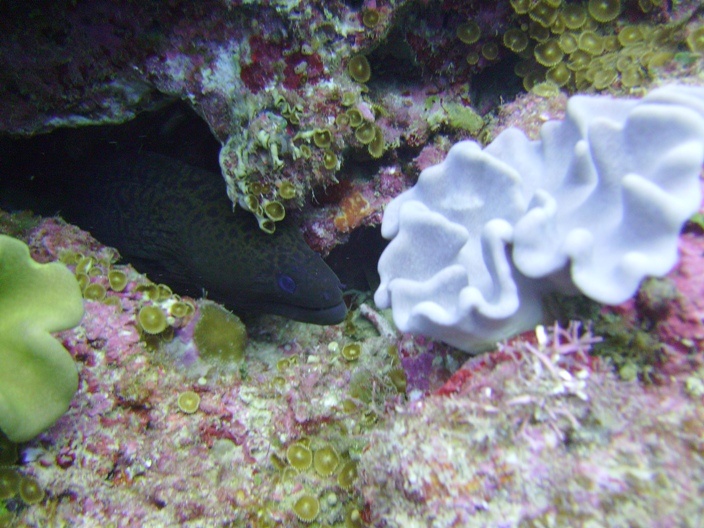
<point>322,112</point>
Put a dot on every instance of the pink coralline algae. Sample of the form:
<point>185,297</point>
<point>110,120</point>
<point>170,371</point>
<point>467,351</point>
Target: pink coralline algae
<point>537,434</point>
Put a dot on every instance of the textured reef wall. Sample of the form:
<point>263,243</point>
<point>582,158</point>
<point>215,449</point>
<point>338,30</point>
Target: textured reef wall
<point>329,110</point>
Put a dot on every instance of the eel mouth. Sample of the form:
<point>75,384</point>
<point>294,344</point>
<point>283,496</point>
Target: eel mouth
<point>329,315</point>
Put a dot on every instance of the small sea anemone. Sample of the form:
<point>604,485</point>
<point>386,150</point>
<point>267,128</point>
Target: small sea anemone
<point>152,319</point>
<point>377,146</point>
<point>365,133</point>
<point>188,402</point>
<point>287,190</point>
<point>359,69</point>
<point>9,483</point>
<point>329,160</point>
<point>490,50</point>
<point>307,508</point>
<point>515,40</point>
<point>322,137</point>
<point>695,40</point>
<point>574,16</point>
<point>548,53</point>
<point>299,456</point>
<point>94,292</point>
<point>356,117</point>
<point>352,351</point>
<point>370,18</point>
<point>591,42</point>
<point>219,334</point>
<point>325,461</point>
<point>180,309</point>
<point>543,13</point>
<point>30,490</point>
<point>604,10</point>
<point>347,475</point>
<point>117,280</point>
<point>469,32</point>
<point>274,210</point>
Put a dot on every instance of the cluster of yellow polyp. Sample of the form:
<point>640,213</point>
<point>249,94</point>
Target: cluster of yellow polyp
<point>579,46</point>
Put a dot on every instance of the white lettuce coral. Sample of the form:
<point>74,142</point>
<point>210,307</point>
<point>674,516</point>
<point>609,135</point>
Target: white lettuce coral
<point>594,206</point>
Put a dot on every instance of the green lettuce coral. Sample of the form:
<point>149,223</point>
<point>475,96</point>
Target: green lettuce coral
<point>37,375</point>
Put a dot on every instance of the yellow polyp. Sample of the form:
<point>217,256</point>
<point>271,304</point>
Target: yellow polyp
<point>490,50</point>
<point>282,364</point>
<point>164,292</point>
<point>631,77</point>
<point>352,351</point>
<point>398,379</point>
<point>94,292</point>
<point>348,475</point>
<point>299,456</point>
<point>84,265</point>
<point>659,59</point>
<point>558,27</point>
<point>267,225</point>
<point>515,40</point>
<point>568,42</point>
<point>579,60</point>
<point>9,483</point>
<point>469,32</point>
<point>543,14</point>
<point>472,58</point>
<point>605,78</point>
<point>359,69</point>
<point>188,402</point>
<point>306,508</point>
<point>370,18</point>
<point>149,291</point>
<point>356,117</point>
<point>329,160</point>
<point>521,7</point>
<point>559,74</point>
<point>548,53</point>
<point>117,280</point>
<point>179,309</point>
<point>348,98</point>
<point>305,151</point>
<point>325,461</point>
<point>30,490</point>
<point>630,35</point>
<point>591,42</point>
<point>152,319</point>
<point>604,10</point>
<point>322,138</point>
<point>545,89</point>
<point>274,210</point>
<point>365,133</point>
<point>251,202</point>
<point>538,32</point>
<point>574,16</point>
<point>377,146</point>
<point>287,190</point>
<point>342,120</point>
<point>532,78</point>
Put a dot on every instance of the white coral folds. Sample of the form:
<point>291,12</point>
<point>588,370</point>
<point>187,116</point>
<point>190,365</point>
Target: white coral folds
<point>594,206</point>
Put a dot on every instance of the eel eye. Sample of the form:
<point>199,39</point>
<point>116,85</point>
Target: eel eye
<point>286,283</point>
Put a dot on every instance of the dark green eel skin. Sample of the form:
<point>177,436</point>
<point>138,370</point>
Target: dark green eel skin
<point>175,223</point>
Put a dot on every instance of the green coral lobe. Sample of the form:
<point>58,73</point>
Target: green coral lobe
<point>37,375</point>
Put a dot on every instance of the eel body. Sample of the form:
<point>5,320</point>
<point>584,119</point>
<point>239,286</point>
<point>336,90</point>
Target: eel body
<point>175,223</point>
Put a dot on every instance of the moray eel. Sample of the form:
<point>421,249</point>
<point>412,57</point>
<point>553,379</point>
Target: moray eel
<point>175,223</point>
